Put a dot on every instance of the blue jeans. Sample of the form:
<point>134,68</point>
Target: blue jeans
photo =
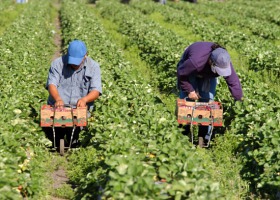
<point>207,90</point>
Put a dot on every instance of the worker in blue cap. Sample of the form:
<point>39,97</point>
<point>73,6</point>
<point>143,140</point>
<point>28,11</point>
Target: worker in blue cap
<point>73,79</point>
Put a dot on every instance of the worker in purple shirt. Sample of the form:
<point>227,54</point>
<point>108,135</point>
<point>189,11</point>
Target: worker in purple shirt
<point>197,72</point>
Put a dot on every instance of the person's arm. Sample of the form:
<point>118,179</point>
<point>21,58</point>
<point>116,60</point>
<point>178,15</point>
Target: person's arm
<point>55,95</point>
<point>234,85</point>
<point>183,71</point>
<point>93,95</point>
<point>95,88</point>
<point>53,82</point>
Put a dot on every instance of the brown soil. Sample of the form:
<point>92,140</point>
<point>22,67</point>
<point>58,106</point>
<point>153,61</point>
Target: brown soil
<point>59,176</point>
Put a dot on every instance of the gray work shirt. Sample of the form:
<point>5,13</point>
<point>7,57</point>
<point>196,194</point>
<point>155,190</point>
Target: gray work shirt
<point>72,84</point>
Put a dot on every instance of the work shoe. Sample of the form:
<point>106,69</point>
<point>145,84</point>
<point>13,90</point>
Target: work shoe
<point>206,143</point>
<point>75,144</point>
<point>202,142</point>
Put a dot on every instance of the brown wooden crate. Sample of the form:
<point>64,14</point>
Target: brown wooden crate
<point>63,117</point>
<point>199,113</point>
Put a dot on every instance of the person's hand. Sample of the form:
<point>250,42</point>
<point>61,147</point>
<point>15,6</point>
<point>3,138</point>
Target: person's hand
<point>59,103</point>
<point>81,103</point>
<point>238,101</point>
<point>193,95</point>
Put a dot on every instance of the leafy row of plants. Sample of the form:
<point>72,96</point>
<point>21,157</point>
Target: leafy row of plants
<point>5,4</point>
<point>257,9</point>
<point>159,47</point>
<point>262,54</point>
<point>133,135</point>
<point>133,148</point>
<point>236,14</point>
<point>25,49</point>
<point>267,167</point>
<point>8,13</point>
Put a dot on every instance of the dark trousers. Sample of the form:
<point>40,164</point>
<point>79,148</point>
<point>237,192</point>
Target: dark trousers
<point>202,130</point>
<point>62,133</point>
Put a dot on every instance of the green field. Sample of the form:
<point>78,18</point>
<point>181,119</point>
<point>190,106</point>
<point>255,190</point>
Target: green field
<point>133,148</point>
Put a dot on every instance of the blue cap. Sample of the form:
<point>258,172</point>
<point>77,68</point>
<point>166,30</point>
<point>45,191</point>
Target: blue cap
<point>76,52</point>
<point>221,61</point>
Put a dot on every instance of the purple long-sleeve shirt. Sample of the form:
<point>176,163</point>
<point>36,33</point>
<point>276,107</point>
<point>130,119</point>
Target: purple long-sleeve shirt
<point>194,62</point>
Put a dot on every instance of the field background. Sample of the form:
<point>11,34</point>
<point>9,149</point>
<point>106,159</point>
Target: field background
<point>133,148</point>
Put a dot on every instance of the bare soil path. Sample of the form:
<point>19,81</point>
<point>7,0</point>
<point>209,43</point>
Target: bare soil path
<point>60,182</point>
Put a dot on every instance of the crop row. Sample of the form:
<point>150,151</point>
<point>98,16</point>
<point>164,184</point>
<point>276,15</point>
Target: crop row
<point>133,134</point>
<point>237,14</point>
<point>24,49</point>
<point>8,13</point>
<point>133,147</point>
<point>256,10</point>
<point>159,47</point>
<point>240,117</point>
<point>262,54</point>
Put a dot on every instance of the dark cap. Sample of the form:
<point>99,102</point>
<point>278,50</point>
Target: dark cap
<point>221,61</point>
